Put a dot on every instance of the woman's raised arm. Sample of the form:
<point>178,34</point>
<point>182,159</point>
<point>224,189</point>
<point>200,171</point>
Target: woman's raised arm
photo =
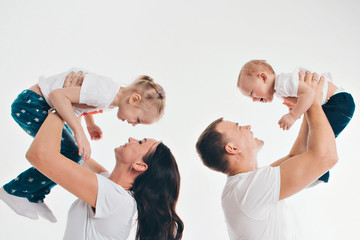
<point>44,155</point>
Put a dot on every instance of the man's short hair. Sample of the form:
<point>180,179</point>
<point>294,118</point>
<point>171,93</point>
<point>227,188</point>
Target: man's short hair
<point>211,148</point>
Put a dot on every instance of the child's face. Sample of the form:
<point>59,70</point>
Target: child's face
<point>256,88</point>
<point>134,114</point>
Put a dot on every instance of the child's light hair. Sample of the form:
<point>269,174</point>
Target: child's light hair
<point>150,92</point>
<point>253,67</point>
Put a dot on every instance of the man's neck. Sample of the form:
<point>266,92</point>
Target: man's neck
<point>243,166</point>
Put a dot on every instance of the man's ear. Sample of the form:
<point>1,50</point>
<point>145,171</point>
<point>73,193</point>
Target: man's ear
<point>135,98</point>
<point>140,166</point>
<point>231,149</point>
<point>263,76</point>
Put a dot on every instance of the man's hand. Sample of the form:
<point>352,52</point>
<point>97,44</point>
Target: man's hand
<point>316,85</point>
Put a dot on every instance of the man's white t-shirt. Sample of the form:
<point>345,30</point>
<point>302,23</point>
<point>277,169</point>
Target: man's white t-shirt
<point>252,208</point>
<point>287,84</point>
<point>112,219</point>
<point>96,91</point>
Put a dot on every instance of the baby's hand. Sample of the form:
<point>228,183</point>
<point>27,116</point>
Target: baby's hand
<point>95,132</point>
<point>83,144</point>
<point>286,121</point>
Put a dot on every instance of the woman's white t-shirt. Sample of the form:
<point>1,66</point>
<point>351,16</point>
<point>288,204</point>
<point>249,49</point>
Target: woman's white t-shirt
<point>112,219</point>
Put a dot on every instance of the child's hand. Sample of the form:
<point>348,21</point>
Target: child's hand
<point>83,144</point>
<point>286,121</point>
<point>95,132</point>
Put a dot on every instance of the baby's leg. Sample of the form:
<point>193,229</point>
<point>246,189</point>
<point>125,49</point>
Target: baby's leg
<point>339,111</point>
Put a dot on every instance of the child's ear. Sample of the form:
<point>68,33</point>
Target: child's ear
<point>263,76</point>
<point>135,98</point>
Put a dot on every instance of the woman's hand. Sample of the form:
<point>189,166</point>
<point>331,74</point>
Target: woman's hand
<point>74,79</point>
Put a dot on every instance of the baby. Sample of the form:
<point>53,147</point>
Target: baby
<point>258,81</point>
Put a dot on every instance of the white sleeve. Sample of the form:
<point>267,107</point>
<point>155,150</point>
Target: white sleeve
<point>98,91</point>
<point>262,190</point>
<point>110,197</point>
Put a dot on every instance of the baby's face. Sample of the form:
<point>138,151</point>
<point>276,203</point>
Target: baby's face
<point>256,88</point>
<point>135,115</point>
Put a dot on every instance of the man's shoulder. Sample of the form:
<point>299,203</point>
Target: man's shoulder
<point>241,181</point>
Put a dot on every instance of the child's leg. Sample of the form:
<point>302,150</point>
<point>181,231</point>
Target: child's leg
<point>32,184</point>
<point>30,110</point>
<point>43,185</point>
<point>339,111</point>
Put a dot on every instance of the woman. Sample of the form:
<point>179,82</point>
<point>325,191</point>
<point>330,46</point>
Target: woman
<point>145,176</point>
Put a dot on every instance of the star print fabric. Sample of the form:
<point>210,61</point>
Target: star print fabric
<point>30,110</point>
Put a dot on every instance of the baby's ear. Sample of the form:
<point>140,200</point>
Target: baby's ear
<point>263,76</point>
<point>135,98</point>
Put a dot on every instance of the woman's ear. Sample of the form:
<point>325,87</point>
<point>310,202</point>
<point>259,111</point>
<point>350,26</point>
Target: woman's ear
<point>135,98</point>
<point>231,149</point>
<point>140,166</point>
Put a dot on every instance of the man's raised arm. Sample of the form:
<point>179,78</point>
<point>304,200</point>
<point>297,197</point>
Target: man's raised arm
<point>300,171</point>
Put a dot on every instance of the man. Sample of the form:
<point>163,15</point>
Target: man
<point>252,196</point>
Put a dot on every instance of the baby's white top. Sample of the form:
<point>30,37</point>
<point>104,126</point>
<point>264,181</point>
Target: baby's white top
<point>287,84</point>
<point>112,218</point>
<point>96,91</point>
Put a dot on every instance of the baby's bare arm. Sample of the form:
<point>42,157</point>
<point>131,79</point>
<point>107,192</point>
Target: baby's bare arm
<point>305,98</point>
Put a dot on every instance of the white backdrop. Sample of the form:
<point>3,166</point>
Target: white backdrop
<point>195,50</point>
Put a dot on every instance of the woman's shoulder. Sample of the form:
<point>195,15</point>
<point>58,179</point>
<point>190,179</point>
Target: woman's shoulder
<point>108,185</point>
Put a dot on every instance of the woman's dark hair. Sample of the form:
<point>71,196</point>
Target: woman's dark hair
<point>156,192</point>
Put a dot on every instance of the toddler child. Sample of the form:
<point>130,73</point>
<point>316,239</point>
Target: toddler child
<point>142,102</point>
<point>258,81</point>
